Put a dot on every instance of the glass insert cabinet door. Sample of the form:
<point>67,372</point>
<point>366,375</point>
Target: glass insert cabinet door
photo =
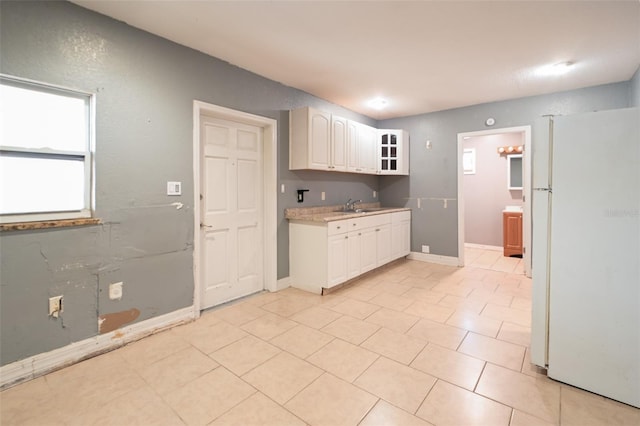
<point>389,152</point>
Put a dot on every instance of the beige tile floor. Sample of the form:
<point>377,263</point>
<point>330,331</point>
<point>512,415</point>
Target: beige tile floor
<point>411,344</point>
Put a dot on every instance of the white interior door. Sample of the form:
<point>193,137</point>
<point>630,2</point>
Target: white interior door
<point>594,310</point>
<point>231,210</point>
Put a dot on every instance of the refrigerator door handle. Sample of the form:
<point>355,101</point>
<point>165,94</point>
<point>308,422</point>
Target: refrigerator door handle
<point>543,189</point>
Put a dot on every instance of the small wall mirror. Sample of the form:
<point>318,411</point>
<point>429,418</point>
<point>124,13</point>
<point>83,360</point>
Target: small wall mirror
<point>514,171</point>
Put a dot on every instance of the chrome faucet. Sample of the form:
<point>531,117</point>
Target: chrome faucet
<point>351,205</point>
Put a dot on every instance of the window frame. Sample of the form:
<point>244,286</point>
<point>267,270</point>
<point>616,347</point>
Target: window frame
<point>87,156</point>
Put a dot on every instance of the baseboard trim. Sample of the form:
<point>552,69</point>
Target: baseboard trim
<point>483,247</point>
<point>434,258</point>
<point>46,362</point>
<point>283,283</point>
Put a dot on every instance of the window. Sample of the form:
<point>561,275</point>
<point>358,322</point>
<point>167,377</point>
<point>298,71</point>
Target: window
<point>469,161</point>
<point>45,152</point>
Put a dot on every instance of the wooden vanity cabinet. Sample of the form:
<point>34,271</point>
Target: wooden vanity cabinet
<point>512,233</point>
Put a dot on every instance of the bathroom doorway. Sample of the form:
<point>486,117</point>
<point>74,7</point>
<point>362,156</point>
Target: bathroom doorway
<point>485,190</point>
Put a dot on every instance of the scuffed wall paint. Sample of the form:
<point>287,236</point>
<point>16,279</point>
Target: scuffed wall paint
<point>115,320</point>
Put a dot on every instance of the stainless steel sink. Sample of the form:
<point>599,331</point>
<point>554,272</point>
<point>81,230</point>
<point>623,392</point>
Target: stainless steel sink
<point>367,210</point>
<point>374,209</point>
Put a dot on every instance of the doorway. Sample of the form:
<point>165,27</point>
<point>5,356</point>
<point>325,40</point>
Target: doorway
<point>469,161</point>
<point>235,248</point>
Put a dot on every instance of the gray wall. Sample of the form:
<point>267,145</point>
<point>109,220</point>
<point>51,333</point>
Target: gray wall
<point>434,172</point>
<point>635,89</point>
<point>485,192</point>
<point>145,87</point>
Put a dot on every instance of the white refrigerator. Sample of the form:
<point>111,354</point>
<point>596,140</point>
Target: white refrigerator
<point>586,251</point>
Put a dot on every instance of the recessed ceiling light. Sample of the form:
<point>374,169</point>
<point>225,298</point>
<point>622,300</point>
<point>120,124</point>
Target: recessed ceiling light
<point>378,103</point>
<point>555,69</point>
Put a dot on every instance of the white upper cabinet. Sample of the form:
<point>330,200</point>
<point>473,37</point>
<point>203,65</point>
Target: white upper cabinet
<point>393,152</point>
<point>361,148</point>
<point>317,140</point>
<point>367,148</point>
<point>338,157</point>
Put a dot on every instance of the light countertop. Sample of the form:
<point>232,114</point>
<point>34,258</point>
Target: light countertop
<point>331,213</point>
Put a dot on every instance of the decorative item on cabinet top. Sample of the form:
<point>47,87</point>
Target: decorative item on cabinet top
<point>319,140</point>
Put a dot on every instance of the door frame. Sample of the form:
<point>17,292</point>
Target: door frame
<point>526,191</point>
<point>269,128</point>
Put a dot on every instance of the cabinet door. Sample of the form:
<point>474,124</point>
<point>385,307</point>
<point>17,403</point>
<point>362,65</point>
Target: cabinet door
<point>392,152</point>
<point>368,253</point>
<point>319,139</point>
<point>383,244</point>
<point>339,139</point>
<point>353,159</point>
<point>406,237</point>
<point>387,152</point>
<point>337,257</point>
<point>396,240</point>
<point>353,254</point>
<point>400,239</point>
<point>512,233</point>
<point>367,138</point>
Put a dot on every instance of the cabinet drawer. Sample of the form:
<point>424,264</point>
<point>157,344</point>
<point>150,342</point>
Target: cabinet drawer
<point>398,217</point>
<point>338,227</point>
<point>375,220</point>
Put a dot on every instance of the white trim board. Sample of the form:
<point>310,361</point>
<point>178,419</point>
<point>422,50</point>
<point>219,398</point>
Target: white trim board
<point>434,258</point>
<point>270,168</point>
<point>283,283</point>
<point>46,362</point>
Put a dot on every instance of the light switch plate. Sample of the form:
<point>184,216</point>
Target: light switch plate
<point>174,188</point>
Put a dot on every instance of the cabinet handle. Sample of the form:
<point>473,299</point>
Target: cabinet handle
<point>346,237</point>
<point>377,230</point>
<point>337,227</point>
<point>354,224</point>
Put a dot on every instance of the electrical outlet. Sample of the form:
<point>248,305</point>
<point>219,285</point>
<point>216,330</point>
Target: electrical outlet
<point>425,249</point>
<point>55,306</point>
<point>323,196</point>
<point>115,291</point>
<point>375,194</point>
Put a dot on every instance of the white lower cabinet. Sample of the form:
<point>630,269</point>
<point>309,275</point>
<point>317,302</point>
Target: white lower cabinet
<point>368,255</point>
<point>353,258</point>
<point>322,255</point>
<point>337,255</point>
<point>400,234</point>
<point>383,244</point>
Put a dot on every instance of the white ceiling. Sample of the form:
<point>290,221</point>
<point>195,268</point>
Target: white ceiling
<point>422,56</point>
